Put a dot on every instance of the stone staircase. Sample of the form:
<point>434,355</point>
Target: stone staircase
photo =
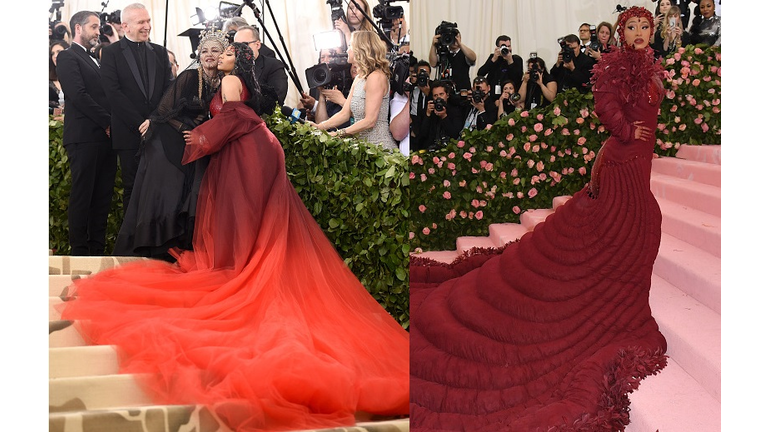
<point>86,392</point>
<point>685,291</point>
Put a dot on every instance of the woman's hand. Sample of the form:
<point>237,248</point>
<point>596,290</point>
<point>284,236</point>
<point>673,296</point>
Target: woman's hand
<point>187,136</point>
<point>143,127</point>
<point>642,133</point>
<point>334,95</point>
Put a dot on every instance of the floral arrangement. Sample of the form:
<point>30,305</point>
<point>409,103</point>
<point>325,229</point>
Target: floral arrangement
<point>527,158</point>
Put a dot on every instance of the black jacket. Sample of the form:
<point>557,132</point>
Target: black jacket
<point>86,107</point>
<point>270,72</point>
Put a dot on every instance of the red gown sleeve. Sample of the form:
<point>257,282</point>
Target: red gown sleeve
<point>235,120</point>
<point>609,106</point>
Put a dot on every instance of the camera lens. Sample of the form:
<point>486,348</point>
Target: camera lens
<point>504,50</point>
<point>439,104</point>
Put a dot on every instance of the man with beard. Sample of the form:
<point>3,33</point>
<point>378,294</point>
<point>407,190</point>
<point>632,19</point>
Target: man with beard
<point>86,138</point>
<point>135,74</point>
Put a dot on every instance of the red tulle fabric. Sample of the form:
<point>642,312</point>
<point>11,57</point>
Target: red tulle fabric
<point>263,321</point>
<point>549,333</point>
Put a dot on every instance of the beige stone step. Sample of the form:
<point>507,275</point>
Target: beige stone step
<point>96,392</point>
<point>155,418</point>
<point>63,334</point>
<point>81,265</point>
<point>58,283</point>
<point>81,361</point>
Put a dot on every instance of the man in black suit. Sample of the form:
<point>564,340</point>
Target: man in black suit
<point>86,138</point>
<point>135,74</point>
<point>269,72</point>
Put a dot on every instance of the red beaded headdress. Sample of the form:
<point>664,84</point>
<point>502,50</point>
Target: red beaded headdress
<point>633,12</point>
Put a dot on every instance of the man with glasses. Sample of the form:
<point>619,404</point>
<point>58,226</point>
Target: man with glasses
<point>270,72</point>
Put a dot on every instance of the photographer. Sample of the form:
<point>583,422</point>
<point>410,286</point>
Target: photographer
<point>509,101</point>
<point>605,40</point>
<point>670,36</point>
<point>322,103</point>
<point>539,87</point>
<point>355,20</point>
<point>455,57</point>
<point>502,65</point>
<point>482,109</point>
<point>443,118</point>
<point>420,95</point>
<point>573,69</point>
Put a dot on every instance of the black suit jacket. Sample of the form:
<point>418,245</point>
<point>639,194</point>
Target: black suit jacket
<point>271,72</point>
<point>131,103</point>
<point>86,107</point>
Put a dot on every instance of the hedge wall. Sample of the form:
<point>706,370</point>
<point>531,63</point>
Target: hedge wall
<point>357,192</point>
<point>526,159</point>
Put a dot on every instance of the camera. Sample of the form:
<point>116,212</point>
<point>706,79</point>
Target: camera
<point>58,30</point>
<point>386,14</point>
<point>535,72</point>
<point>399,66</point>
<point>566,51</point>
<point>439,104</point>
<point>448,32</point>
<point>337,10</point>
<point>477,95</point>
<point>504,50</point>
<point>422,78</point>
<point>594,45</point>
<point>106,29</point>
<point>334,74</point>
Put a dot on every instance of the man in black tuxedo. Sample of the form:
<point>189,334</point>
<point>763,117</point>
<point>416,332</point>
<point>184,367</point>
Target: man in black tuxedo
<point>86,138</point>
<point>135,74</point>
<point>269,72</point>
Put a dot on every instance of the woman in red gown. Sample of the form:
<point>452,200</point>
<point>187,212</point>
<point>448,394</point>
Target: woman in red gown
<point>553,331</point>
<point>262,321</point>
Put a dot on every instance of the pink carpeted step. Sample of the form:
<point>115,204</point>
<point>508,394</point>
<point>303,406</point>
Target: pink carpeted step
<point>69,362</point>
<point>466,243</point>
<point>441,256</point>
<point>695,195</point>
<point>692,331</point>
<point>692,226</point>
<point>693,271</point>
<point>672,401</point>
<point>701,153</point>
<point>503,233</point>
<point>530,218</point>
<point>97,392</point>
<point>700,172</point>
<point>560,200</point>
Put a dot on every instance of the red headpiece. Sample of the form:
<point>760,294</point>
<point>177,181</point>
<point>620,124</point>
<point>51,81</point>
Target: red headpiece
<point>633,12</point>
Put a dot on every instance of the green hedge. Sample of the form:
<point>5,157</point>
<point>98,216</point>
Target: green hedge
<point>357,192</point>
<point>528,158</point>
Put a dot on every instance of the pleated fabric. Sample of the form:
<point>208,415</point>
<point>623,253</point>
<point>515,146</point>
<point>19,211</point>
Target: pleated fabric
<point>551,332</point>
<point>263,321</point>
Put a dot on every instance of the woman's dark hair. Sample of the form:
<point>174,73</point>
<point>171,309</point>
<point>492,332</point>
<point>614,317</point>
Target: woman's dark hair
<point>244,65</point>
<point>52,75</point>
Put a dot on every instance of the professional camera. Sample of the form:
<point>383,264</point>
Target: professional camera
<point>440,104</point>
<point>509,103</point>
<point>535,72</point>
<point>504,50</point>
<point>386,14</point>
<point>337,10</point>
<point>566,51</point>
<point>594,45</point>
<point>334,74</point>
<point>106,29</point>
<point>422,78</point>
<point>58,30</point>
<point>477,95</point>
<point>399,66</point>
<point>448,32</point>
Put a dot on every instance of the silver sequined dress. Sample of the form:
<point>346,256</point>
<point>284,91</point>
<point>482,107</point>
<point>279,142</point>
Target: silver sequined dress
<point>379,133</point>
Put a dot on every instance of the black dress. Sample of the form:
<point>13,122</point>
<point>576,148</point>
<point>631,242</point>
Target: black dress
<point>161,211</point>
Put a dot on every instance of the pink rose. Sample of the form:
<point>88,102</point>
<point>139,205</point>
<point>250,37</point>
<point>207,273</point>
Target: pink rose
<point>531,163</point>
<point>425,231</point>
<point>697,50</point>
<point>670,94</point>
<point>423,177</point>
<point>447,195</point>
<point>451,166</point>
<point>431,170</point>
<point>479,215</point>
<point>579,120</point>
<point>489,149</point>
<point>435,160</point>
<point>462,183</point>
<point>536,148</point>
<point>533,138</point>
<point>584,150</point>
<point>511,122</point>
<point>704,127</point>
<point>696,82</point>
<point>532,193</point>
<point>552,159</point>
<point>673,109</point>
<point>422,208</point>
<point>503,175</point>
<point>581,140</point>
<point>483,164</point>
<point>516,181</point>
<point>451,215</point>
<point>677,56</point>
<point>412,175</point>
<point>682,127</point>
<point>523,128</point>
<point>538,127</point>
<point>556,110</point>
<point>467,156</point>
<point>540,117</point>
<point>474,170</point>
<point>503,153</point>
<point>698,120</point>
<point>540,166</point>
<point>451,155</point>
<point>460,144</point>
<point>520,195</point>
<point>509,137</point>
<point>524,114</point>
<point>472,150</point>
<point>671,60</point>
<point>527,146</point>
<point>513,173</point>
<point>489,167</point>
<point>411,235</point>
<point>548,132</point>
<point>446,183</point>
<point>565,131</point>
<point>582,171</point>
<point>516,210</point>
<point>463,214</point>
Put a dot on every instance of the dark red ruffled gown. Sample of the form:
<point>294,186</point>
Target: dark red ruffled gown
<point>552,332</point>
<point>263,321</point>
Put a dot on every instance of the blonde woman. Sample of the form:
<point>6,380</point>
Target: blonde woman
<point>368,101</point>
<point>670,36</point>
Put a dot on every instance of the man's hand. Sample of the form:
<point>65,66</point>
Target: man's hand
<point>109,131</point>
<point>143,127</point>
<point>307,101</point>
<point>570,66</point>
